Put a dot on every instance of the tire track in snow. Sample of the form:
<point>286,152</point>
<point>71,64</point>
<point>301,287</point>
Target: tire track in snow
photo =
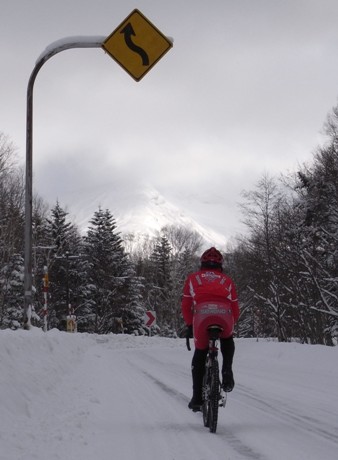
<point>231,439</point>
<point>285,412</point>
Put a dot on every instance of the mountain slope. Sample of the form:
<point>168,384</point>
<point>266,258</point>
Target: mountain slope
<point>142,211</point>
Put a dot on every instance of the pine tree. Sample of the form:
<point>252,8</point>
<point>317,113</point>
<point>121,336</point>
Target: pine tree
<point>161,291</point>
<point>11,287</point>
<point>64,278</point>
<point>132,309</point>
<point>107,272</point>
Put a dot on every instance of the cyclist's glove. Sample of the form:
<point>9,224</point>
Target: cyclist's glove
<point>189,334</point>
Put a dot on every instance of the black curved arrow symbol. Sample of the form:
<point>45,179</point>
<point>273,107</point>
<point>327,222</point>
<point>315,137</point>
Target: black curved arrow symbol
<point>128,31</point>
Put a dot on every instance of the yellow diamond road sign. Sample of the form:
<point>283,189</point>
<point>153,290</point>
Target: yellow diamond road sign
<point>136,44</point>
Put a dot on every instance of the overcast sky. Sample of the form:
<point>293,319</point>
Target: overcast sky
<point>245,90</point>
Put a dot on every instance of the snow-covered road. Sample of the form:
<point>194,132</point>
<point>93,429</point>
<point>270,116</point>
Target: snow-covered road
<point>81,397</point>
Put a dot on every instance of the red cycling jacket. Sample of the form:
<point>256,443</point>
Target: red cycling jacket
<point>209,297</point>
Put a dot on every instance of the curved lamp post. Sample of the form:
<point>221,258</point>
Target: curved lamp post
<point>50,51</point>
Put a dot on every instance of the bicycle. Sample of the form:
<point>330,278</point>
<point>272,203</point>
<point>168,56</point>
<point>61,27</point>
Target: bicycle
<point>212,394</point>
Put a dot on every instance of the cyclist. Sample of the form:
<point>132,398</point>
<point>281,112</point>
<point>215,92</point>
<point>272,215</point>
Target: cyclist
<point>209,297</point>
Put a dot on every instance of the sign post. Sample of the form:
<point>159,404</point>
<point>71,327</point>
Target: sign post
<point>149,320</point>
<point>45,297</point>
<point>137,45</point>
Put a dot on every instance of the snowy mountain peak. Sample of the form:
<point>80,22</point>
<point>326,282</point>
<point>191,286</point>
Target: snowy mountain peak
<point>143,211</point>
<point>152,211</point>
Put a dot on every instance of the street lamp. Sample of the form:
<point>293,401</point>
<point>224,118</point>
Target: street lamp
<point>50,51</point>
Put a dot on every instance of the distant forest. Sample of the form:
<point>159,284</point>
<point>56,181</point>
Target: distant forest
<point>285,266</point>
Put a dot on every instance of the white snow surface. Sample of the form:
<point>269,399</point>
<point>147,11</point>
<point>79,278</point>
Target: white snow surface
<point>89,397</point>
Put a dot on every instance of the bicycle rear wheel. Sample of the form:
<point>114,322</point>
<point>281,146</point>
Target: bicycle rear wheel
<point>206,396</point>
<point>214,396</point>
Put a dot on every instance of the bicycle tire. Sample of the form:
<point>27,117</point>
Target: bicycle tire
<point>214,396</point>
<point>206,392</point>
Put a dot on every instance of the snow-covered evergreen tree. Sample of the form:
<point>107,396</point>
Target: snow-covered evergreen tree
<point>107,272</point>
<point>11,288</point>
<point>132,309</point>
<point>161,292</point>
<point>64,266</point>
